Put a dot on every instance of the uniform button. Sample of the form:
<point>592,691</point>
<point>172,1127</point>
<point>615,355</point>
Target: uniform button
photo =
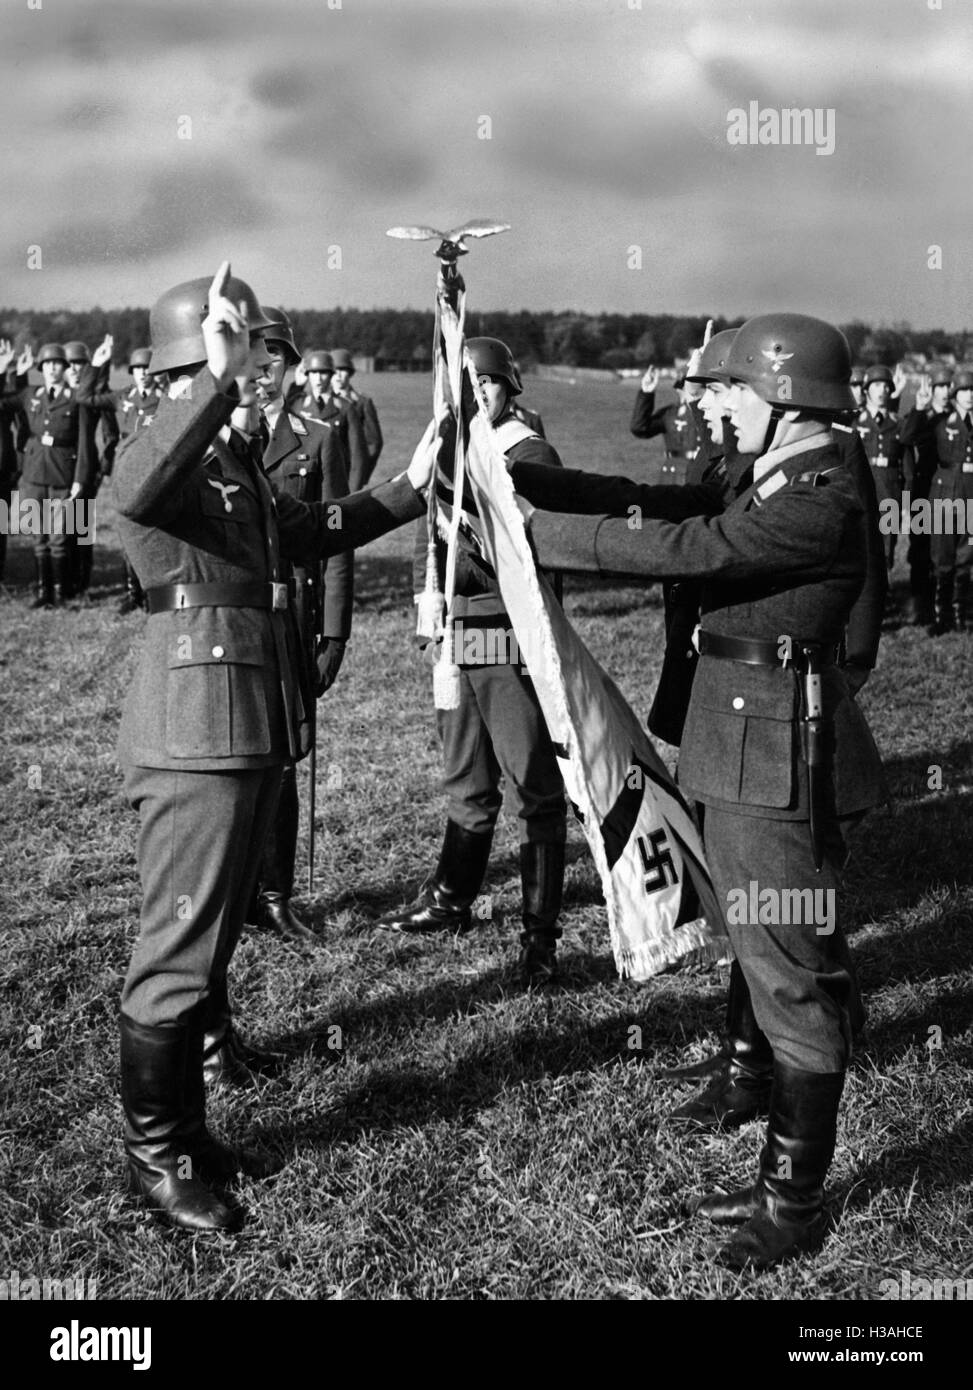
<point>738,702</point>
<point>303,472</point>
<point>218,653</point>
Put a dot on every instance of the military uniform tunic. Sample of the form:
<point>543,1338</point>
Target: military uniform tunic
<point>217,704</point>
<point>679,426</point>
<point>786,558</point>
<point>952,490</point>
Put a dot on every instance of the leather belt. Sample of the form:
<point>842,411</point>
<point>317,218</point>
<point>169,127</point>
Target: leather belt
<point>168,598</point>
<point>753,651</point>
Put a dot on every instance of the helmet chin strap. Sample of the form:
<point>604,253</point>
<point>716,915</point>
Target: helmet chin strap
<point>777,413</point>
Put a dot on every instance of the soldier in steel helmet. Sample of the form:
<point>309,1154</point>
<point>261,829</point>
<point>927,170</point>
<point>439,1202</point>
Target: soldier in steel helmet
<point>878,430</point>
<point>774,746</point>
<point>951,494</point>
<point>320,402</point>
<point>920,460</point>
<point>219,703</point>
<point>676,423</point>
<point>59,468</point>
<point>136,408</point>
<point>364,406</point>
<point>498,729</point>
<point>88,375</point>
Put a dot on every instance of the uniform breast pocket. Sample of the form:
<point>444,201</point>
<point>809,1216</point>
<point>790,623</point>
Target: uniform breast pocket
<point>738,744</point>
<point>301,478</point>
<point>216,703</point>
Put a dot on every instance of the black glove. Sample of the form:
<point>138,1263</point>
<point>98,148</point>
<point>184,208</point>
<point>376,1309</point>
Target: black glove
<point>328,656</point>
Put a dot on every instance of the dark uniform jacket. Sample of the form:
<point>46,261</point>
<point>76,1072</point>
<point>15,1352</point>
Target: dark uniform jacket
<point>478,606</point>
<point>680,426</point>
<point>136,409</point>
<point>954,445</point>
<point>883,449</point>
<point>786,558</point>
<point>304,459</point>
<point>364,407</point>
<point>14,431</point>
<point>60,451</point>
<point>527,417</point>
<point>921,456</point>
<point>217,687</point>
<point>350,432</point>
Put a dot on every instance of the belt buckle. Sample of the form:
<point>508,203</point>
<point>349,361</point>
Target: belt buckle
<point>278,596</point>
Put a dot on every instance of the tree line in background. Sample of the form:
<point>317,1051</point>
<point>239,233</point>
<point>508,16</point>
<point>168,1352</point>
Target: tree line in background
<point>613,341</point>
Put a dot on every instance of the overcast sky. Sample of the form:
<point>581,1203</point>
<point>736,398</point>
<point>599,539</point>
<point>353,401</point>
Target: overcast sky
<point>315,127</point>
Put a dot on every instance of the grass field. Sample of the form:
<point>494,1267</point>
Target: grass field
<point>444,1135</point>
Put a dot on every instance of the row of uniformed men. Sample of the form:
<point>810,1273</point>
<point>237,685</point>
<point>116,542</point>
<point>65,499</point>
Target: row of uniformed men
<point>60,438</point>
<point>925,454</point>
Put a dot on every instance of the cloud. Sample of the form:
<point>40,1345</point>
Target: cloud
<point>177,209</point>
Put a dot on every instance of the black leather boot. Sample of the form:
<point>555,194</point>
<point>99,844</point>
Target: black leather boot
<point>60,589</point>
<point>961,601</point>
<point>445,903</point>
<point>789,1217</point>
<point>719,1063</point>
<point>216,1162</point>
<point>134,595</point>
<point>159,1131</point>
<point>542,883</point>
<point>276,879</point>
<point>740,1091</point>
<point>942,605</point>
<point>43,596</point>
<point>226,1056</point>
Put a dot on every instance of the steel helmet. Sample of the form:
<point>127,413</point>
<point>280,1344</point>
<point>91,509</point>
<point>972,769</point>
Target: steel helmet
<point>52,352</point>
<point>878,372</point>
<point>319,361</point>
<point>176,321</point>
<point>858,375</point>
<point>341,358</point>
<point>491,357</point>
<point>963,381</point>
<point>940,375</point>
<point>139,357</point>
<point>794,362</point>
<point>281,331</point>
<point>712,359</point>
<point>77,352</point>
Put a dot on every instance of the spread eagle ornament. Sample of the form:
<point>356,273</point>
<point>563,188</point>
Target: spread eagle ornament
<point>452,243</point>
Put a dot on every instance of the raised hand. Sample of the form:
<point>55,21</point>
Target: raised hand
<point>650,381</point>
<point>226,332</point>
<point>899,379</point>
<point>102,352</point>
<point>924,393</point>
<point>6,354</point>
<point>26,360</point>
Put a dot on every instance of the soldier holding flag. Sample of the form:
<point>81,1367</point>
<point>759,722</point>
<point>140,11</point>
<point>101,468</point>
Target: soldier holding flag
<point>774,746</point>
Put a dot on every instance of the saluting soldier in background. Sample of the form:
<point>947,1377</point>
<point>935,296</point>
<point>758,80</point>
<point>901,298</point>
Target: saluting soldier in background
<point>219,703</point>
<point>89,375</point>
<point>952,551</point>
<point>676,422</point>
<point>319,401</point>
<point>920,460</point>
<point>878,430</point>
<point>14,433</point>
<point>59,466</point>
<point>774,746</point>
<point>136,408</point>
<point>857,385</point>
<point>344,370</point>
<point>498,729</point>
<point>303,458</point>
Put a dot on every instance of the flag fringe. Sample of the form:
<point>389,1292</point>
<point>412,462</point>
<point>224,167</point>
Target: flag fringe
<point>652,956</point>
